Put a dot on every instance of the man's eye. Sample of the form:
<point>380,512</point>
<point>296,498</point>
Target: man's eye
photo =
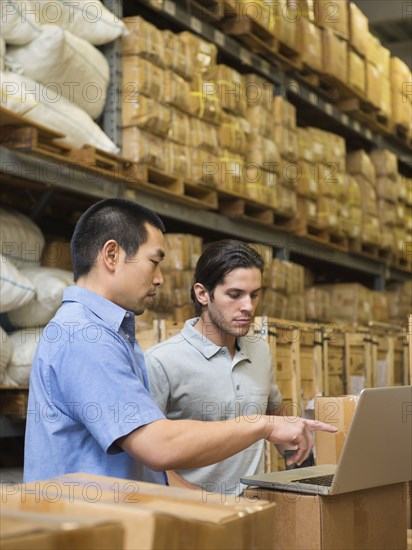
<point>155,263</point>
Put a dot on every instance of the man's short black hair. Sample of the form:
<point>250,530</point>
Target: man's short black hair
<point>218,260</point>
<point>119,219</point>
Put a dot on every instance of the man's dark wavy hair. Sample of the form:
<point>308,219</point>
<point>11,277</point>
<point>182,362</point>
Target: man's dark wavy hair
<point>218,260</point>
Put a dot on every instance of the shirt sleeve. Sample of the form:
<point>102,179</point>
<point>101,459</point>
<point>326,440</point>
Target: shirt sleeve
<point>159,383</point>
<point>96,384</point>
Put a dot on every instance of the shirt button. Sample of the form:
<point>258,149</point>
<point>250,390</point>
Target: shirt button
<point>127,315</point>
<point>238,387</point>
<point>127,336</point>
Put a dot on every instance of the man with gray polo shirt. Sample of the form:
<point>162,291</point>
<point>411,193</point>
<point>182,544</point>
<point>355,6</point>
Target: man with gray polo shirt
<point>212,370</point>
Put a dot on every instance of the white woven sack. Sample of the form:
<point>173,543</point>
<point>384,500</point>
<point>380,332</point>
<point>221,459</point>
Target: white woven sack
<point>2,53</point>
<point>43,105</point>
<point>75,68</point>
<point>16,290</point>
<point>89,19</point>
<point>50,284</point>
<point>19,24</point>
<point>5,351</point>
<point>21,240</point>
<point>23,344</point>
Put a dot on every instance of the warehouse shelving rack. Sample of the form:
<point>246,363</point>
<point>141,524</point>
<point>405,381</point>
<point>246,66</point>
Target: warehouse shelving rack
<point>323,114</point>
<point>17,167</point>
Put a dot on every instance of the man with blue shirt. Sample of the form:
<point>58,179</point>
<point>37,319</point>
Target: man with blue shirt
<point>89,408</point>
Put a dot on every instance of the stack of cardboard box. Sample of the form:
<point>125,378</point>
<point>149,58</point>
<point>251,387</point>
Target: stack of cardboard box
<point>360,166</point>
<point>285,136</point>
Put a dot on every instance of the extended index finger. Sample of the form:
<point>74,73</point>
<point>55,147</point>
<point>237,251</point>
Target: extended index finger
<point>318,425</point>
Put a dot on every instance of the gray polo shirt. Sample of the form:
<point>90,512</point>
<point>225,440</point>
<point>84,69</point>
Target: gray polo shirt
<point>190,377</point>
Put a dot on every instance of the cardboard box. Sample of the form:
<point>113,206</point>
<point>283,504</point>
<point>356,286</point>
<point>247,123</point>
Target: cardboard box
<point>333,15</point>
<point>360,163</point>
<point>385,162</point>
<point>153,516</point>
<point>400,76</point>
<point>356,72</point>
<point>57,254</point>
<point>310,44</point>
<point>361,520</point>
<point>20,530</point>
<point>359,29</point>
<point>144,40</point>
<point>335,55</point>
<point>373,90</point>
<point>337,411</point>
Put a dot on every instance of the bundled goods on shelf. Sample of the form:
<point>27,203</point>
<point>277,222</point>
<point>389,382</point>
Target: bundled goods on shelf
<point>358,30</point>
<point>285,136</point>
<point>160,92</point>
<point>178,57</point>
<point>380,310</point>
<point>285,28</point>
<point>144,147</point>
<point>144,40</point>
<point>360,166</point>
<point>334,16</point>
<point>204,54</point>
<point>257,12</point>
<point>356,72</point>
<point>267,254</point>
<point>317,304</point>
<point>173,300</point>
<point>400,79</point>
<point>283,291</point>
<point>310,42</point>
<point>350,303</point>
<point>334,56</point>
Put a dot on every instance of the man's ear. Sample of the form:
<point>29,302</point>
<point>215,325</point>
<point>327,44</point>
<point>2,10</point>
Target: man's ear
<point>110,254</point>
<point>202,294</point>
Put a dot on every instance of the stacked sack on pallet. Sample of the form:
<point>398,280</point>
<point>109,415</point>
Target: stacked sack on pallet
<point>55,75</point>
<point>30,294</point>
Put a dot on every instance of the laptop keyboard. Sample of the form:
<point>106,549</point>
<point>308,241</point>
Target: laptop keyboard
<point>317,480</point>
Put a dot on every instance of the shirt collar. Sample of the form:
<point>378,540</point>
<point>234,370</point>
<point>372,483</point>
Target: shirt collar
<point>206,347</point>
<point>110,313</point>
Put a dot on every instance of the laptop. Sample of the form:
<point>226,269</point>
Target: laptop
<point>377,450</point>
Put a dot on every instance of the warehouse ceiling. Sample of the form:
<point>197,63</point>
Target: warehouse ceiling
<point>391,22</point>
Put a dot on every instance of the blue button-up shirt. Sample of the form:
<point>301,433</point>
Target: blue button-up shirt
<point>88,387</point>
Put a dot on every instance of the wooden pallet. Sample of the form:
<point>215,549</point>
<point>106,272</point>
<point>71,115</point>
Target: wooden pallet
<point>237,206</point>
<point>359,247</point>
<point>14,401</point>
<point>309,75</point>
<point>159,183</point>
<point>251,33</point>
<point>336,91</point>
<point>110,164</point>
<point>211,11</point>
<point>401,133</point>
<point>25,135</point>
<point>288,56</point>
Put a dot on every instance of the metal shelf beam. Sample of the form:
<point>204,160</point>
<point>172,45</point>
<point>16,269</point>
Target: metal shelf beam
<point>78,181</point>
